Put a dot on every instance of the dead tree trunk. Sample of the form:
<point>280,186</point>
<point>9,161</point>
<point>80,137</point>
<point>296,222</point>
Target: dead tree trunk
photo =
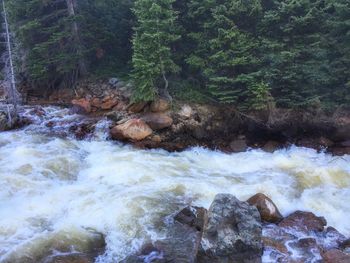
<point>12,91</point>
<point>76,36</point>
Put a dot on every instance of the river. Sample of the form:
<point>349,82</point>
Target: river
<point>54,187</point>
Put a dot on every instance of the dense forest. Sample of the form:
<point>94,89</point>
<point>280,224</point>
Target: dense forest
<point>248,53</point>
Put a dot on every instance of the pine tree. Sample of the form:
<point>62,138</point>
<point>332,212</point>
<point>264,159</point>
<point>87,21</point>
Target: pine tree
<point>229,58</point>
<point>152,55</point>
<point>293,51</point>
<point>48,37</point>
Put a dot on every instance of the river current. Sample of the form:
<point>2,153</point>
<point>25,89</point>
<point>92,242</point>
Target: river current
<point>54,187</point>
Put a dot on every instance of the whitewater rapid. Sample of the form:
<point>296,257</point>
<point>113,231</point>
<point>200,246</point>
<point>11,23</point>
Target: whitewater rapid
<point>54,186</point>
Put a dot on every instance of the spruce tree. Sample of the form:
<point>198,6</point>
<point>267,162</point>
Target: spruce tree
<point>229,59</point>
<point>152,60</point>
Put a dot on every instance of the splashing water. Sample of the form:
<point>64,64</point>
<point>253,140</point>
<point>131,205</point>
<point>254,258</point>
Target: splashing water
<point>54,185</point>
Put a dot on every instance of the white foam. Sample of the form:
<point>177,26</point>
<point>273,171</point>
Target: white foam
<point>51,184</point>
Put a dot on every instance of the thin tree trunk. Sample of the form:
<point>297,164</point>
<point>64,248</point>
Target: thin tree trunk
<point>12,89</point>
<point>76,36</point>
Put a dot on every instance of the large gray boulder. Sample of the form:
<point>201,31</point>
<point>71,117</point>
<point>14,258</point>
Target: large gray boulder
<point>233,233</point>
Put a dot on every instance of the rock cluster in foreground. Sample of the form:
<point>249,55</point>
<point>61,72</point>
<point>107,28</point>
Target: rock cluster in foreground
<point>232,231</point>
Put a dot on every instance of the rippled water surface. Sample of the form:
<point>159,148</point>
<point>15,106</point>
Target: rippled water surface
<point>53,187</point>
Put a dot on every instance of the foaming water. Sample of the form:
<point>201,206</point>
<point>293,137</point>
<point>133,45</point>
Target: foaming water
<point>56,188</point>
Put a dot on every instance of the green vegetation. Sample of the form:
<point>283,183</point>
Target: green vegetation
<point>247,53</point>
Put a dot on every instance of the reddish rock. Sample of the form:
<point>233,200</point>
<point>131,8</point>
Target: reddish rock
<point>268,210</point>
<point>121,106</point>
<point>134,129</point>
<point>160,105</point>
<point>96,102</point>
<point>304,221</point>
<point>275,244</point>
<point>157,121</point>
<point>335,256</point>
<point>83,104</point>
<point>137,107</point>
<point>109,104</point>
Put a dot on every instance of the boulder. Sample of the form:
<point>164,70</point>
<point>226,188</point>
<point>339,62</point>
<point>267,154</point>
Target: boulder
<point>181,243</point>
<point>134,129</point>
<point>304,221</point>
<point>137,107</point>
<point>239,145</point>
<point>83,104</point>
<point>109,104</point>
<point>121,106</point>
<point>157,121</point>
<point>96,102</point>
<point>268,210</point>
<point>160,105</point>
<point>233,232</point>
<point>335,256</point>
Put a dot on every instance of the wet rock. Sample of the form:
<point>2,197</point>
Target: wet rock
<point>239,145</point>
<point>134,129</point>
<point>121,106</point>
<point>82,104</point>
<point>3,121</point>
<point>336,256</point>
<point>157,121</point>
<point>137,107</point>
<point>109,103</point>
<point>304,221</point>
<point>115,116</point>
<point>160,105</point>
<point>267,209</point>
<point>73,245</point>
<point>181,243</point>
<point>73,258</point>
<point>271,146</point>
<point>305,250</point>
<point>96,102</point>
<point>82,131</point>
<point>233,232</point>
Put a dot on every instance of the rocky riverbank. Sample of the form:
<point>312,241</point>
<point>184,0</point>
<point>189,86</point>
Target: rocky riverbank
<point>178,125</point>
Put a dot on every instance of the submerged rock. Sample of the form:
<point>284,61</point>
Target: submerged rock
<point>233,233</point>
<point>267,209</point>
<point>135,129</point>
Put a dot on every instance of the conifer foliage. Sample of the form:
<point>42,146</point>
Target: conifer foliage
<point>155,32</point>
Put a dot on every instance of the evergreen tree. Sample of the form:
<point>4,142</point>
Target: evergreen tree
<point>152,58</point>
<point>293,51</point>
<point>49,41</point>
<point>229,59</point>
